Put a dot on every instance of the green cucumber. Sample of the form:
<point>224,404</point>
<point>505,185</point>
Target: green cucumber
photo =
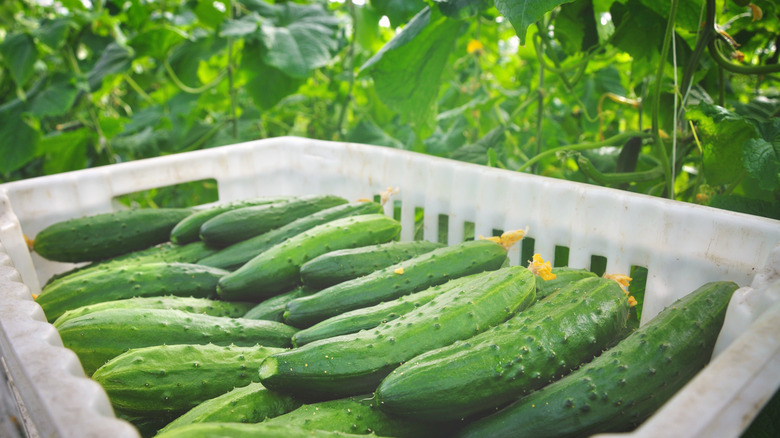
<point>512,359</point>
<point>252,403</point>
<point>258,430</point>
<point>627,383</point>
<point>338,266</point>
<point>119,282</point>
<point>273,308</point>
<point>278,268</point>
<point>240,224</point>
<point>100,336</point>
<point>356,363</point>
<point>413,275</point>
<point>563,277</point>
<point>206,306</point>
<point>164,252</point>
<point>106,235</point>
<point>356,414</point>
<point>188,229</point>
<point>370,317</point>
<point>163,379</point>
<point>234,256</point>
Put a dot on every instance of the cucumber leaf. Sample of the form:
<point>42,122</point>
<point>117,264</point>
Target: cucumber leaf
<point>524,13</point>
<point>407,70</point>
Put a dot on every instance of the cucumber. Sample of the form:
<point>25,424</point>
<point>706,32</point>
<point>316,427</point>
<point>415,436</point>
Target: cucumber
<point>370,317</point>
<point>203,306</point>
<point>116,283</point>
<point>354,364</point>
<point>415,274</point>
<point>338,266</point>
<point>106,235</point>
<point>627,383</point>
<point>164,252</point>
<point>252,403</point>
<point>512,359</point>
<point>563,277</point>
<point>100,336</point>
<point>240,224</point>
<point>259,430</point>
<point>233,256</point>
<point>278,269</point>
<point>164,379</point>
<point>273,308</point>
<point>356,414</point>
<point>188,229</point>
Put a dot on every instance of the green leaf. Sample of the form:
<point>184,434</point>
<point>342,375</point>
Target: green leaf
<point>19,56</point>
<point>57,98</point>
<point>368,132</point>
<point>741,204</point>
<point>114,59</point>
<point>241,27</point>
<point>53,33</point>
<point>65,151</point>
<point>186,57</point>
<point>478,152</point>
<point>265,84</point>
<point>762,162</point>
<point>19,140</point>
<point>299,39</point>
<point>688,11</point>
<point>407,71</point>
<point>722,134</point>
<point>211,15</point>
<point>156,41</point>
<point>398,11</point>
<point>575,26</point>
<point>761,156</point>
<point>524,13</point>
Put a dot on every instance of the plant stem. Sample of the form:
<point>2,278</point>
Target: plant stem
<point>616,139</point>
<point>721,60</point>
<point>351,69</point>
<point>540,97</point>
<point>231,86</point>
<point>659,76</point>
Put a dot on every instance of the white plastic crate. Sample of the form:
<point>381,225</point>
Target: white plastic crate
<point>681,245</point>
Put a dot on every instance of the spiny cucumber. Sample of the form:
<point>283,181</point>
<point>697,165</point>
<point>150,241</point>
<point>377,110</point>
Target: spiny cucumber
<point>164,252</point>
<point>370,317</point>
<point>563,277</point>
<point>106,235</point>
<point>100,336</point>
<point>356,363</point>
<point>530,350</point>
<point>627,383</point>
<point>206,306</point>
<point>188,229</point>
<point>273,308</point>
<point>240,224</point>
<point>252,403</point>
<point>127,281</point>
<point>159,380</point>
<point>278,268</point>
<point>235,255</point>
<point>338,266</point>
<point>415,274</point>
<point>356,414</point>
<point>258,430</point>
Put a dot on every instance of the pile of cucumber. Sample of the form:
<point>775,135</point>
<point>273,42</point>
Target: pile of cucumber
<point>306,316</point>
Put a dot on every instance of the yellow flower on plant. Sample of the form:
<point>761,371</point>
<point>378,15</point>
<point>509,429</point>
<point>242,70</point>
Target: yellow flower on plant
<point>474,46</point>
